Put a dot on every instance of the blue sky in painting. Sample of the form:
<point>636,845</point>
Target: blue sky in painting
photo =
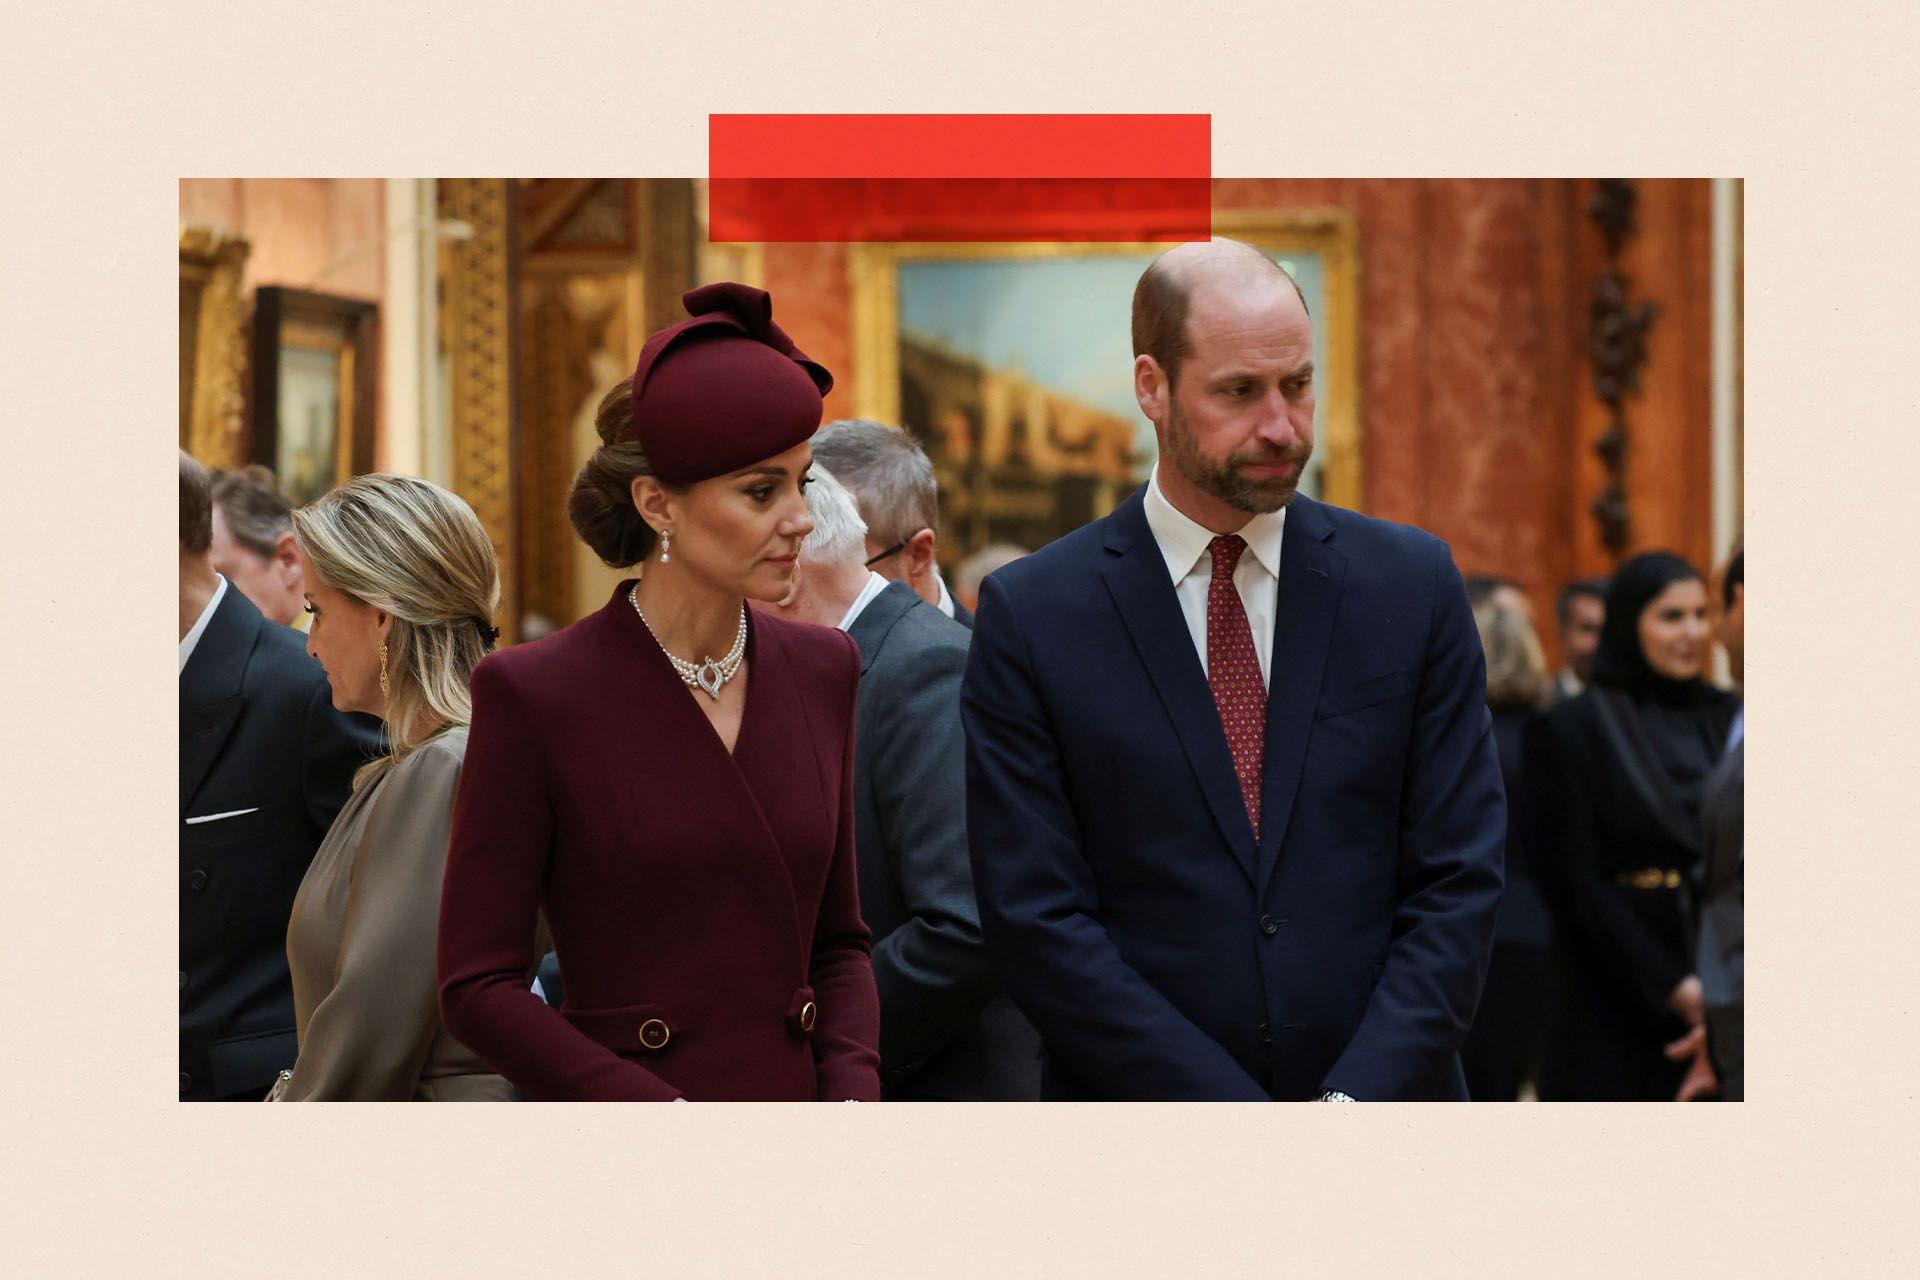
<point>1063,321</point>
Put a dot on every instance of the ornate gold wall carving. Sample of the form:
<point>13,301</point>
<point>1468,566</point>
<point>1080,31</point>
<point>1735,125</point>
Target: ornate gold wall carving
<point>601,263</point>
<point>213,346</point>
<point>477,324</point>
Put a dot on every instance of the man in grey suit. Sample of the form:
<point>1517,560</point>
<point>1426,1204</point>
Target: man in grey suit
<point>947,1032</point>
<point>1723,898</point>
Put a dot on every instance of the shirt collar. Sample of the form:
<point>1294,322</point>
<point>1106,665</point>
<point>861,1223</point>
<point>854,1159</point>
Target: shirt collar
<point>946,597</point>
<point>875,585</point>
<point>1183,540</point>
<point>191,640</point>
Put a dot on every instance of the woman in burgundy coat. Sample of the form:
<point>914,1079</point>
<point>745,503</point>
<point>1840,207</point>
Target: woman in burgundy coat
<point>670,778</point>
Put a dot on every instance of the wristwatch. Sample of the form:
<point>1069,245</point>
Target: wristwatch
<point>1334,1095</point>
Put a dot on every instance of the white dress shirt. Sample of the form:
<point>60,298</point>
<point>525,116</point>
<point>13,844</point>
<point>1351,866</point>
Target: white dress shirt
<point>199,627</point>
<point>1183,543</point>
<point>946,597</point>
<point>875,585</point>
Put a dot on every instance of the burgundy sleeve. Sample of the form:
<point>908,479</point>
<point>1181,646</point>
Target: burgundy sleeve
<point>846,1039</point>
<point>489,904</point>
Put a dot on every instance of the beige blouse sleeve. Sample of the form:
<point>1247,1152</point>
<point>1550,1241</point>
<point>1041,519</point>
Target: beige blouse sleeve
<point>370,1037</point>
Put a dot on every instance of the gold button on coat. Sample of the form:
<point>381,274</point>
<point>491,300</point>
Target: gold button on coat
<point>654,1034</point>
<point>808,1012</point>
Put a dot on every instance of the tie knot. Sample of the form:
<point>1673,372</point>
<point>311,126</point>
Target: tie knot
<point>1226,551</point>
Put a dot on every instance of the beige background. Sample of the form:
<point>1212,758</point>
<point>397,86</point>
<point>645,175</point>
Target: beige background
<point>106,107</point>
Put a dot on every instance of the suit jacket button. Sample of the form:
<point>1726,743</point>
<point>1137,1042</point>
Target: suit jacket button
<point>1269,926</point>
<point>186,1082</point>
<point>183,979</point>
<point>654,1034</point>
<point>197,880</point>
<point>1266,1034</point>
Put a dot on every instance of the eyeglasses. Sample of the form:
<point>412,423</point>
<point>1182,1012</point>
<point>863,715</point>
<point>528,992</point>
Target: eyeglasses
<point>895,549</point>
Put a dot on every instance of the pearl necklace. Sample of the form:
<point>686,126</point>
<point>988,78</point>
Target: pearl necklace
<point>709,676</point>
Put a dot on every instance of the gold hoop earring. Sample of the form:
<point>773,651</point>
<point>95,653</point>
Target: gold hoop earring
<point>384,690</point>
<point>666,546</point>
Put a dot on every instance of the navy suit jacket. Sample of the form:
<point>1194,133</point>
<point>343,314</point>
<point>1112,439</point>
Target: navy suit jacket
<point>264,755</point>
<point>1163,952</point>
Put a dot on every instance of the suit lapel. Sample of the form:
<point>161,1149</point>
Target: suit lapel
<point>870,629</point>
<point>1136,576</point>
<point>779,790</point>
<point>210,688</point>
<point>1311,573</point>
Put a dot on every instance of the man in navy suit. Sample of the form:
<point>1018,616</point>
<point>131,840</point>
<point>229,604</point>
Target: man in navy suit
<point>265,764</point>
<point>1234,809</point>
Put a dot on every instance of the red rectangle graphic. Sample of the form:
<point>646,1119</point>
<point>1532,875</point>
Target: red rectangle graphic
<point>959,146</point>
<point>959,178</point>
<point>958,209</point>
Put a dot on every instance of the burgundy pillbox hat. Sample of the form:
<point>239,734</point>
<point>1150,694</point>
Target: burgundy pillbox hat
<point>724,389</point>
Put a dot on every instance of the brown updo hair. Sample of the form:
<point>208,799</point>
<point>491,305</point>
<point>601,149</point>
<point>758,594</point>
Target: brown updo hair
<point>601,504</point>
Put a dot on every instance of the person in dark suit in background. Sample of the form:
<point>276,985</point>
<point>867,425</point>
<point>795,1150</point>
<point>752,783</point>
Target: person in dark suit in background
<point>1232,797</point>
<point>1723,890</point>
<point>1580,611</point>
<point>253,544</point>
<point>891,480</point>
<point>1502,1053</point>
<point>947,1031</point>
<point>265,764</point>
<point>1616,783</point>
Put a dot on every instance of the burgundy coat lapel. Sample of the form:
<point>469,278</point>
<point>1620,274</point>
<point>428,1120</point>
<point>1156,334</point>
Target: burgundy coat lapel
<point>782,770</point>
<point>707,787</point>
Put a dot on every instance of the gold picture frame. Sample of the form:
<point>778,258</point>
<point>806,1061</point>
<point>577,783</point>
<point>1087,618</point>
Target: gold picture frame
<point>315,381</point>
<point>1331,236</point>
<point>213,346</point>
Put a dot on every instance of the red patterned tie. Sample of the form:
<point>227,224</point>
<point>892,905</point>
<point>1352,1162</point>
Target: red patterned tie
<point>1233,669</point>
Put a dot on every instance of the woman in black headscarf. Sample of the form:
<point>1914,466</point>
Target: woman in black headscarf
<point>1616,805</point>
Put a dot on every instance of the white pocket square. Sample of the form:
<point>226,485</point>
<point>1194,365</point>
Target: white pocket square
<point>215,817</point>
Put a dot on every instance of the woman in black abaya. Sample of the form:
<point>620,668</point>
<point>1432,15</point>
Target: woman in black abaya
<point>1616,807</point>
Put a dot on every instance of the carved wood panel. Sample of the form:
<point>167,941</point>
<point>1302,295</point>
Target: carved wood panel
<point>213,347</point>
<point>478,329</point>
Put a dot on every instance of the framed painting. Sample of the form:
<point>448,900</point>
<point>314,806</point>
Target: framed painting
<point>1012,364</point>
<point>314,383</point>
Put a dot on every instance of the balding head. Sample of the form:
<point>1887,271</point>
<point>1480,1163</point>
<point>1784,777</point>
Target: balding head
<point>1223,368</point>
<point>1166,294</point>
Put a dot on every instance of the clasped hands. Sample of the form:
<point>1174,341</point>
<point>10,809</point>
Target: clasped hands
<point>1700,1081</point>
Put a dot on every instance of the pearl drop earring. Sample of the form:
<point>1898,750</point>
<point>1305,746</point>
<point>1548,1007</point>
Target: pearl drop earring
<point>666,546</point>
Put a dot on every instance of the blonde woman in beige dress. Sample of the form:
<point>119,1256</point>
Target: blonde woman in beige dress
<point>401,583</point>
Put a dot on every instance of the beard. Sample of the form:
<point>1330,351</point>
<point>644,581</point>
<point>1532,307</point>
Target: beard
<point>1227,479</point>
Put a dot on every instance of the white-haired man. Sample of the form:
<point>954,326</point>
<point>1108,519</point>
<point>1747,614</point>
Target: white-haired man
<point>946,1030</point>
<point>893,487</point>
